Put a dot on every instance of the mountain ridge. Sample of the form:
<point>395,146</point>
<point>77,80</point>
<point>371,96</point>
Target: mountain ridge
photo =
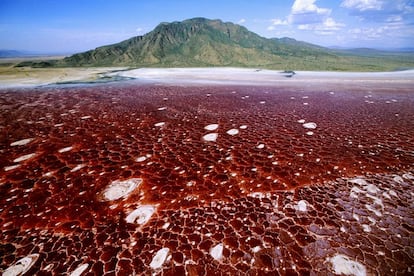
<point>202,42</point>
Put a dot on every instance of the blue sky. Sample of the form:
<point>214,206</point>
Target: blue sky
<point>65,26</point>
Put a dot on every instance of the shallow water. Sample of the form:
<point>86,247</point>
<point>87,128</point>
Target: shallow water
<point>312,174</point>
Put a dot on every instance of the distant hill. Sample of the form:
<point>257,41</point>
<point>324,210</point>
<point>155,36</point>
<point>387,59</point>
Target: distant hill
<point>201,42</point>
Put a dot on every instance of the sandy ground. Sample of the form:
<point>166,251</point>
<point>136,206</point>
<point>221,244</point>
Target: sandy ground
<point>28,77</point>
<point>23,77</point>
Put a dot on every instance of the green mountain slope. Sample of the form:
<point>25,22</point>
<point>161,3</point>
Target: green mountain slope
<point>202,42</point>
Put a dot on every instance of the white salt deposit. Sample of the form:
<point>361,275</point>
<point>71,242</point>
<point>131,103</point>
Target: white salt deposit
<point>359,181</point>
<point>217,252</point>
<point>233,131</point>
<point>141,215</point>
<point>342,264</point>
<point>22,142</point>
<point>243,127</point>
<point>162,108</point>
<point>77,168</point>
<point>9,168</point>
<point>118,189</point>
<point>211,137</point>
<point>301,121</point>
<point>211,127</point>
<point>302,206</point>
<point>24,157</point>
<point>309,125</point>
<point>141,159</point>
<point>260,146</point>
<point>79,270</point>
<point>62,150</point>
<point>310,133</point>
<point>21,266</point>
<point>366,228</point>
<point>86,117</point>
<point>256,249</point>
<point>160,124</point>
<point>159,259</point>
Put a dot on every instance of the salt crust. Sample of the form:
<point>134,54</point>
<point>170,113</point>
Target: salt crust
<point>211,127</point>
<point>159,259</point>
<point>302,206</point>
<point>79,270</point>
<point>118,189</point>
<point>160,124</point>
<point>24,157</point>
<point>342,264</point>
<point>211,137</point>
<point>21,266</point>
<point>65,149</point>
<point>22,142</point>
<point>141,215</point>
<point>233,131</point>
<point>309,125</point>
<point>217,251</point>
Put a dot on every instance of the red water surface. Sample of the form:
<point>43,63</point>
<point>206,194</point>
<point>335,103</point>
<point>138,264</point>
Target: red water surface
<point>241,191</point>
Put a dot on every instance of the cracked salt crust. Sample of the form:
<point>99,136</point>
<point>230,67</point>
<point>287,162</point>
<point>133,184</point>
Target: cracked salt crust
<point>79,270</point>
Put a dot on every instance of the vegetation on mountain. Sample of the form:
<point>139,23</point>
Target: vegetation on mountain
<point>201,42</point>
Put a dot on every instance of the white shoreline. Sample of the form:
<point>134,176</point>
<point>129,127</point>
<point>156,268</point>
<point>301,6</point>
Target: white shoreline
<point>214,76</point>
<point>247,76</point>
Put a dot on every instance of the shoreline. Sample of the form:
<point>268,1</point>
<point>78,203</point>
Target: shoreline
<point>29,77</point>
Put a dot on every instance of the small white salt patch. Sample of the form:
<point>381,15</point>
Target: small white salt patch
<point>309,125</point>
<point>79,270</point>
<point>141,159</point>
<point>301,121</point>
<point>217,252</point>
<point>62,150</point>
<point>24,157</point>
<point>372,188</point>
<point>118,189</point>
<point>159,259</point>
<point>243,127</point>
<point>262,102</point>
<point>141,215</point>
<point>160,124</point>
<point>342,264</point>
<point>162,108</point>
<point>359,181</point>
<point>302,206</point>
<point>9,168</point>
<point>232,131</point>
<point>77,168</point>
<point>211,137</point>
<point>398,179</point>
<point>256,249</point>
<point>366,228</point>
<point>21,266</point>
<point>22,142</point>
<point>260,146</point>
<point>211,127</point>
<point>310,133</point>
<point>166,225</point>
<point>408,176</point>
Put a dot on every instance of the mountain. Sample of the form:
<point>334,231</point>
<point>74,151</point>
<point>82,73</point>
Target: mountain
<point>201,42</point>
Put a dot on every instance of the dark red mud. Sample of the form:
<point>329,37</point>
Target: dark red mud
<point>275,198</point>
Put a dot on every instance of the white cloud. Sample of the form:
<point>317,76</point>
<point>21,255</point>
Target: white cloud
<point>328,27</point>
<point>241,21</point>
<point>306,12</point>
<point>363,5</point>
